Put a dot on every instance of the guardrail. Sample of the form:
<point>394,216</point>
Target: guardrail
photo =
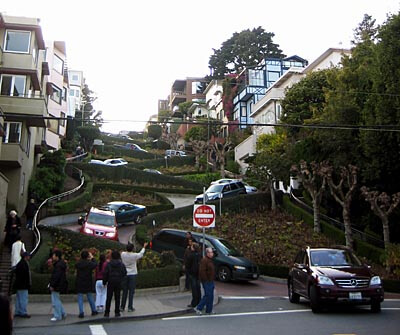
<point>42,210</point>
<point>356,233</point>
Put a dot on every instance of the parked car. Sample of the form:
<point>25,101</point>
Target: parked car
<point>133,146</point>
<point>96,161</point>
<point>249,189</point>
<point>325,276</point>
<point>152,171</point>
<point>115,162</point>
<point>171,153</point>
<point>100,223</point>
<point>229,263</point>
<point>224,190</point>
<point>127,212</point>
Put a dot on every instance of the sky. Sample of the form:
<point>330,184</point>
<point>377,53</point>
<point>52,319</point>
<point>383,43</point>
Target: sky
<point>132,51</point>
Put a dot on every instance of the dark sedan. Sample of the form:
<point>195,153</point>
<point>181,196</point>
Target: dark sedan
<point>126,212</point>
<point>333,275</point>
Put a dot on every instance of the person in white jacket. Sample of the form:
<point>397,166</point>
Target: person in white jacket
<point>130,258</point>
<point>17,249</point>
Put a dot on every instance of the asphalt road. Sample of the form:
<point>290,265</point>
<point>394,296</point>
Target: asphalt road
<point>245,315</point>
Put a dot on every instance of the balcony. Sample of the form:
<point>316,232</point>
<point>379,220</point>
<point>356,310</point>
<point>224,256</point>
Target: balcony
<point>11,155</point>
<point>29,110</point>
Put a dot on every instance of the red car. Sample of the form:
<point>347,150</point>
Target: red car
<point>325,276</point>
<point>100,223</point>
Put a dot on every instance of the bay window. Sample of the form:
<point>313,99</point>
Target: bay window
<point>57,94</point>
<point>12,85</point>
<point>17,41</point>
<point>12,132</point>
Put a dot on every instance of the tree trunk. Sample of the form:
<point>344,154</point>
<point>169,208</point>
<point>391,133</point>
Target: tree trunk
<point>386,233</point>
<point>273,200</point>
<point>222,168</point>
<point>317,226</point>
<point>347,227</point>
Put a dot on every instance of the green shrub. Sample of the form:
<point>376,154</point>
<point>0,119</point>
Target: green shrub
<point>159,277</point>
<point>391,285</point>
<point>203,178</point>
<point>141,234</point>
<point>168,258</point>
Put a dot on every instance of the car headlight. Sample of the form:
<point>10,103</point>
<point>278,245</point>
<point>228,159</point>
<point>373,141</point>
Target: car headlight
<point>110,234</point>
<point>322,280</point>
<point>376,280</point>
<point>237,267</point>
<point>88,231</point>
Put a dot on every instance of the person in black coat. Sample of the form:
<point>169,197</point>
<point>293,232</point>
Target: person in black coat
<point>12,228</point>
<point>84,281</point>
<point>22,284</point>
<point>192,266</point>
<point>113,275</point>
<point>58,284</point>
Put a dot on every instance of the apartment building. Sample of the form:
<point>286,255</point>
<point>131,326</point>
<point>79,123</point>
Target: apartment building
<point>23,103</point>
<point>189,89</point>
<point>76,83</point>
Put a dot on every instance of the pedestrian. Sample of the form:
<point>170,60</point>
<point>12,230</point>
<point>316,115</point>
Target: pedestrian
<point>192,265</point>
<point>17,249</point>
<point>84,281</point>
<point>22,284</point>
<point>207,275</point>
<point>130,258</point>
<point>6,320</point>
<point>58,284</point>
<point>101,289</point>
<point>12,228</point>
<point>113,276</point>
<point>30,211</point>
<point>188,243</point>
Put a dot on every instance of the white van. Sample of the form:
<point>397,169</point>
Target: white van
<point>171,153</point>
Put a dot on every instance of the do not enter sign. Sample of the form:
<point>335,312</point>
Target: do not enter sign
<point>204,216</point>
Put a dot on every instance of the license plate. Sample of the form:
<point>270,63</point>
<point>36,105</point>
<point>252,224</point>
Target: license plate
<point>355,296</point>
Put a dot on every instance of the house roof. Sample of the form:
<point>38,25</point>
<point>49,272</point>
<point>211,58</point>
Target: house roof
<point>311,67</point>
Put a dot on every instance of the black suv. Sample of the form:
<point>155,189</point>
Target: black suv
<point>222,190</point>
<point>230,264</point>
<point>333,275</point>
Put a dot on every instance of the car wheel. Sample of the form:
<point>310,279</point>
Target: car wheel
<point>138,219</point>
<point>375,306</point>
<point>293,296</point>
<point>224,274</point>
<point>314,300</point>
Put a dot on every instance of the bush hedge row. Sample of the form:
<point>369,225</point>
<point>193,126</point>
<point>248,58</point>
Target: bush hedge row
<point>116,174</point>
<point>117,151</point>
<point>362,248</point>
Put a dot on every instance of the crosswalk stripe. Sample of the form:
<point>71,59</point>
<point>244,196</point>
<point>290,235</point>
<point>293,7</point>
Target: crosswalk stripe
<point>97,330</point>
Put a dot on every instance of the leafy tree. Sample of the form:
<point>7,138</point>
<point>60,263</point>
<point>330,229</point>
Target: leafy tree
<point>184,107</point>
<point>154,131</point>
<point>88,134</point>
<point>197,137</point>
<point>366,30</point>
<point>164,115</point>
<point>196,133</point>
<point>245,49</point>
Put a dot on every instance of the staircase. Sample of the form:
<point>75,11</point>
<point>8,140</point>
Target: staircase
<point>5,259</point>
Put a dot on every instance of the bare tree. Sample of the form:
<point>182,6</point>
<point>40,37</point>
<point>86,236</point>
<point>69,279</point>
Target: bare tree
<point>199,147</point>
<point>172,139</point>
<point>220,150</point>
<point>314,182</point>
<point>382,205</point>
<point>343,193</point>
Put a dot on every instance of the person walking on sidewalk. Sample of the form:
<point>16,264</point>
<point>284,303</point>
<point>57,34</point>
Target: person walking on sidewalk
<point>101,290</point>
<point>84,281</point>
<point>30,211</point>
<point>192,266</point>
<point>58,284</point>
<point>113,276</point>
<point>22,285</point>
<point>207,275</point>
<point>188,250</point>
<point>130,258</point>
<point>17,249</point>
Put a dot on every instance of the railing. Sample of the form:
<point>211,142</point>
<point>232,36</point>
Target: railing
<point>42,210</point>
<point>340,225</point>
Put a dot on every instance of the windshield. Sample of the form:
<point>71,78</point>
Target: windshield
<point>334,257</point>
<point>101,219</point>
<point>227,248</point>
<point>215,188</point>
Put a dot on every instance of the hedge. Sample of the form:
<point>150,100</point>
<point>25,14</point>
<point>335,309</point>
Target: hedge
<point>121,151</point>
<point>362,248</point>
<point>166,276</point>
<point>274,270</point>
<point>116,174</point>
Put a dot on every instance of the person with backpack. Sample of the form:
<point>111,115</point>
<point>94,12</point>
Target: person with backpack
<point>113,276</point>
<point>101,290</point>
<point>192,267</point>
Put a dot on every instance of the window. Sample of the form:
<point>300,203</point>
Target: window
<point>256,77</point>
<point>28,143</point>
<point>56,96</point>
<point>64,94</point>
<point>197,87</point>
<point>77,93</point>
<point>71,93</point>
<point>12,85</point>
<point>75,77</point>
<point>58,64</point>
<point>17,41</point>
<point>12,132</point>
<point>62,121</point>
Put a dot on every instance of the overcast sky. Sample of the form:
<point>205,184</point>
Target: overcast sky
<point>132,51</point>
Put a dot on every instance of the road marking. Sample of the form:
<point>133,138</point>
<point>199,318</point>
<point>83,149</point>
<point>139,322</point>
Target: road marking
<point>235,314</point>
<point>391,309</point>
<point>97,330</point>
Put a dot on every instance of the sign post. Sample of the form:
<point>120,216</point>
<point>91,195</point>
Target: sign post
<point>204,217</point>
